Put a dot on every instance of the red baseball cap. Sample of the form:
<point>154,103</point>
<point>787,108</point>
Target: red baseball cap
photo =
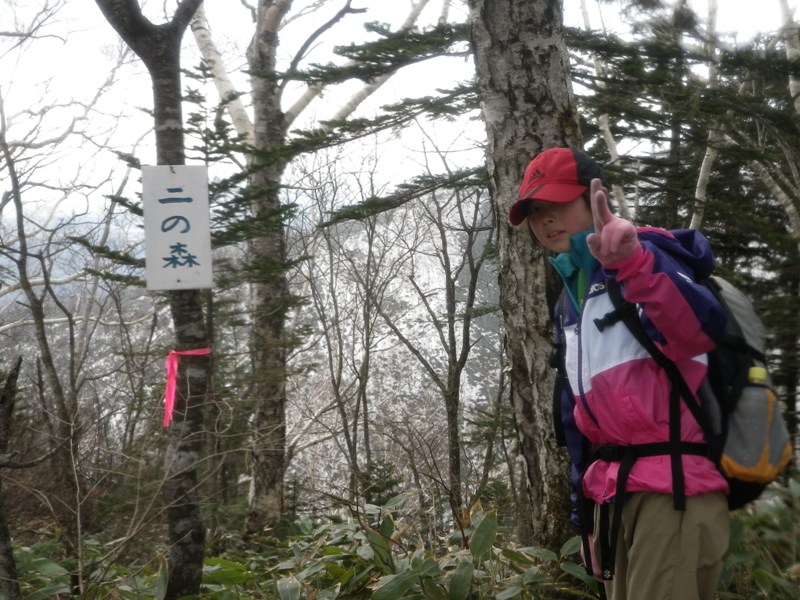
<point>556,175</point>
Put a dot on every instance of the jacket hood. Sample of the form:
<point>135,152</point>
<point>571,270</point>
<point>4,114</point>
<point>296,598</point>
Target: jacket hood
<point>688,245</point>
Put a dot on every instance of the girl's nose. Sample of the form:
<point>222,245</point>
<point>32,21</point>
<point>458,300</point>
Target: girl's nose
<point>548,214</point>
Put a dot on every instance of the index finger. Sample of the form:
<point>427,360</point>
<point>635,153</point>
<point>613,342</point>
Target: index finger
<point>601,213</point>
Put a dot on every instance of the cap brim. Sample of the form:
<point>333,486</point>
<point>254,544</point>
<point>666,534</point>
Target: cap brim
<point>559,193</point>
<point>518,212</point>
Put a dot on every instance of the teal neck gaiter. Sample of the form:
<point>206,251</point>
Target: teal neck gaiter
<point>575,267</point>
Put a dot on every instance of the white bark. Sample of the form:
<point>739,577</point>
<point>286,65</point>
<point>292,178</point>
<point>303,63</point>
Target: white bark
<point>227,91</point>
<point>792,39</point>
<point>715,135</point>
<point>782,197</point>
<point>616,191</point>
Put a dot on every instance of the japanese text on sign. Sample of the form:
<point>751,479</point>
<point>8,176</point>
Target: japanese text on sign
<point>177,231</point>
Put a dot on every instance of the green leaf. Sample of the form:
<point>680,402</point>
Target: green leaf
<point>398,500</point>
<point>461,582</point>
<point>395,586</point>
<point>768,580</point>
<point>380,545</point>
<point>357,581</point>
<point>541,553</point>
<point>432,590</point>
<point>511,592</point>
<point>762,578</point>
<point>162,581</point>
<point>312,569</point>
<point>49,592</point>
<point>45,566</point>
<point>219,575</point>
<point>218,571</point>
<point>372,509</point>
<point>571,546</point>
<point>214,561</point>
<point>387,526</point>
<point>577,571</point>
<point>532,575</point>
<point>518,557</point>
<point>427,568</point>
<point>365,552</point>
<point>289,588</point>
<point>484,536</point>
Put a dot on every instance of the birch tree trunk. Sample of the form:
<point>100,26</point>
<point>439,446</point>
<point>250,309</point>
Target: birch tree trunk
<point>271,294</point>
<point>271,297</point>
<point>527,103</point>
<point>159,49</point>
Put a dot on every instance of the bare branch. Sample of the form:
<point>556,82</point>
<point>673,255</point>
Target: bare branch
<point>356,99</point>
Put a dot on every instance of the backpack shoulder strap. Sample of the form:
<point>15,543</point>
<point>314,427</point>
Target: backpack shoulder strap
<point>627,313</point>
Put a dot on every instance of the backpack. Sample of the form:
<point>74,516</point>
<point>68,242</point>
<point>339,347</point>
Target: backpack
<point>738,409</point>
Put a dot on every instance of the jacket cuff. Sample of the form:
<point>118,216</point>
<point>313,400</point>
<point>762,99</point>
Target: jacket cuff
<point>627,266</point>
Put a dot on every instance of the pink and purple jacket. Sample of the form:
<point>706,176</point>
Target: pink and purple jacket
<point>619,396</point>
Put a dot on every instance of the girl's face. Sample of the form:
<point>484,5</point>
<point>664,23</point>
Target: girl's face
<point>554,224</point>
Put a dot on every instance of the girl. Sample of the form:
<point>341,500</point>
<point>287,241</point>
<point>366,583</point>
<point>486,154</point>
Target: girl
<point>660,520</point>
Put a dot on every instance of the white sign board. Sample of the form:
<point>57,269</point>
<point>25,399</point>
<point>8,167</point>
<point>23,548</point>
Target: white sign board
<point>177,235</point>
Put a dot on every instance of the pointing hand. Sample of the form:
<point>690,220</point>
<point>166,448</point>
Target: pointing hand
<point>614,238</point>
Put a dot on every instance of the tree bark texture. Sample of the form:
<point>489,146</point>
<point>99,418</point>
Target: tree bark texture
<point>159,49</point>
<point>271,291</point>
<point>527,103</point>
<point>8,566</point>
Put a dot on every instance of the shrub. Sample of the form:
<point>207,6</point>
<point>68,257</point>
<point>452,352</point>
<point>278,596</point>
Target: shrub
<point>380,553</point>
<point>764,556</point>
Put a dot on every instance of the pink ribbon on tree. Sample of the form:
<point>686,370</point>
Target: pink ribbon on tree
<point>172,371</point>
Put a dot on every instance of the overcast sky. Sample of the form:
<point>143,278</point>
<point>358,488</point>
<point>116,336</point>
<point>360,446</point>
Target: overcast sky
<point>71,59</point>
<point>736,19</point>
